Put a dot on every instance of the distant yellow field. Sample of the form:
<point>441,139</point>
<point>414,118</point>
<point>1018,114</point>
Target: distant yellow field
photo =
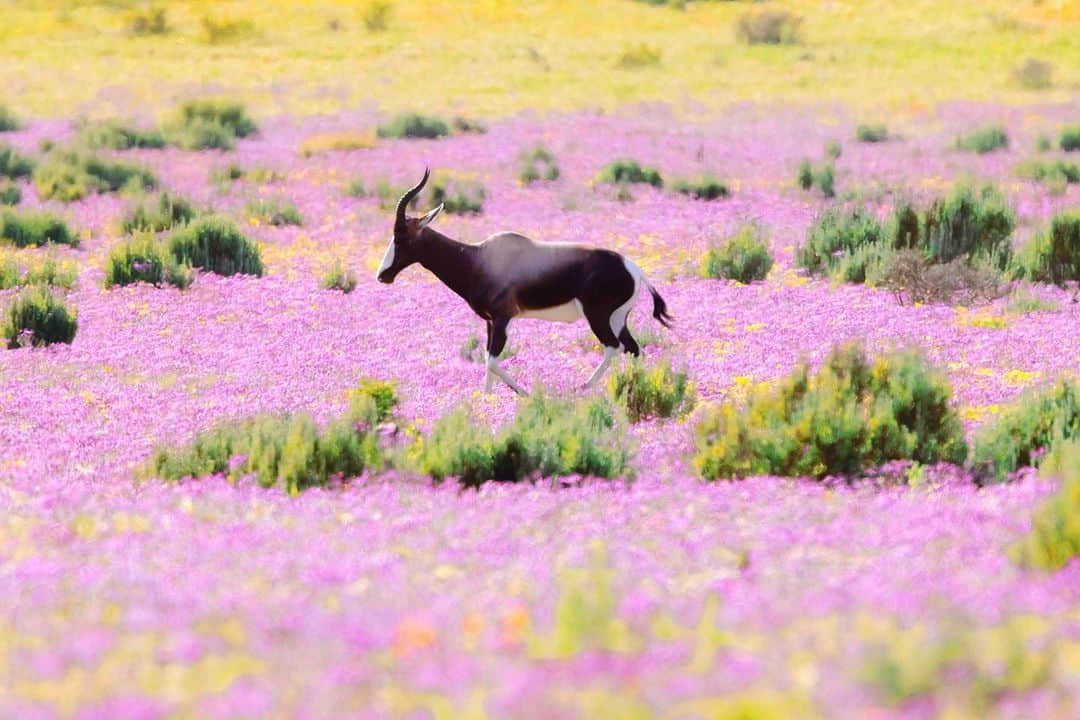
<point>497,57</point>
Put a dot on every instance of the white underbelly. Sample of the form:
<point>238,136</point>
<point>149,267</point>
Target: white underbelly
<point>567,312</point>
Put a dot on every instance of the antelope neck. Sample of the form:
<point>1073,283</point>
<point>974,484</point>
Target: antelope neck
<point>453,262</point>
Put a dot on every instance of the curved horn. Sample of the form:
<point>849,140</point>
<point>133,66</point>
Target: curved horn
<point>407,198</point>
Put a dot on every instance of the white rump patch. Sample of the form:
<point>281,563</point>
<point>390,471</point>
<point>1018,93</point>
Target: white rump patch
<point>387,260</point>
<point>618,318</point>
<point>566,313</point>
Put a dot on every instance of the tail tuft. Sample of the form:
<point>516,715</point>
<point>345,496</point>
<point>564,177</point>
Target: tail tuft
<point>660,309</point>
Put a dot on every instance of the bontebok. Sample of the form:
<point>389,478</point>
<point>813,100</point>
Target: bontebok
<point>509,276</point>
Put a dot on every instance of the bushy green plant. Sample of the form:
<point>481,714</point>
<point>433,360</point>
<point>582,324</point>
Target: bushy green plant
<point>549,437</point>
<point>10,194</point>
<point>200,134</point>
<point>843,242</point>
<point>849,416</point>
<point>1054,539</point>
<point>227,173</point>
<point>630,172</point>
<point>143,258</point>
<point>215,245</point>
<point>48,270</point>
<point>73,174</point>
<point>768,27</point>
<point>1047,171</point>
<point>8,121</point>
<point>1037,422</point>
<point>646,392</point>
<point>219,31</point>
<point>274,211</point>
<point>872,133</point>
<point>377,15</point>
<point>468,126</point>
<point>744,257</point>
<point>976,223</point>
<point>459,196</point>
<point>161,213</point>
<point>37,317</point>
<point>414,125</point>
<point>833,150</point>
<point>148,21</point>
<point>638,56</point>
<point>823,177</point>
<point>984,140</point>
<point>339,277</point>
<point>1070,138</point>
<point>705,187</point>
<point>1053,255</point>
<point>30,229</point>
<point>538,164</point>
<point>209,123</point>
<point>14,164</point>
<point>286,451</point>
<point>118,135</point>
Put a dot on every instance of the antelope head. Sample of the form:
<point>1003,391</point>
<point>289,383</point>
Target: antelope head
<point>401,252</point>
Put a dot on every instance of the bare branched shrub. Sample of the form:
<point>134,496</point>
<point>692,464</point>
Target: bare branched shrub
<point>912,278</point>
<point>1034,74</point>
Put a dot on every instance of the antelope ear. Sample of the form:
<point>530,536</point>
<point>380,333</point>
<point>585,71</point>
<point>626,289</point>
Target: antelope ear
<point>426,220</point>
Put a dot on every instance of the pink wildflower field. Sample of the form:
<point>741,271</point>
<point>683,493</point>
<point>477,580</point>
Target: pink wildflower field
<point>389,595</point>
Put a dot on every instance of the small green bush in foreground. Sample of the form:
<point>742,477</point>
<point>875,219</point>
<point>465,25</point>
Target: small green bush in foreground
<point>31,229</point>
<point>1053,255</point>
<point>37,318</point>
<point>162,213</point>
<point>1054,539</point>
<point>14,164</point>
<point>984,141</point>
<point>651,392</point>
<point>743,257</point>
<point>144,259</point>
<point>215,245</point>
<point>39,271</point>
<point>339,277</point>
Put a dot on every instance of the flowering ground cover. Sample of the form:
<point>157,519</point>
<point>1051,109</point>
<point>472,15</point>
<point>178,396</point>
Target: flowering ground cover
<point>663,596</point>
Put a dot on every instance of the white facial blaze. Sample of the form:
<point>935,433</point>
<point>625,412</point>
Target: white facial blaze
<point>387,261</point>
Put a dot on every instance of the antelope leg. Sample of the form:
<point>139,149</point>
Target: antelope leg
<point>609,353</point>
<point>493,368</point>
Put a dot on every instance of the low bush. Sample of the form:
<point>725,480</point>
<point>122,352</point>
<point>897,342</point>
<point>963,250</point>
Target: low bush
<point>39,271</point>
<point>143,258</point>
<point>1035,424</point>
<point>833,150</point>
<point>31,229</point>
<point>37,318</point>
<point>466,126</point>
<point>336,142</point>
<point>743,257</point>
<point>286,451</point>
<point>823,177</point>
<point>227,173</point>
<point>274,211</point>
<point>73,174</point>
<point>10,194</point>
<point>13,164</point>
<point>1054,539</point>
<point>217,31</point>
<point>844,243</point>
<point>638,56</point>
<point>148,21</point>
<point>1043,143</point>
<point>851,415</point>
<point>413,125</point>
<point>629,172</point>
<point>1034,74</point>
<point>971,222</point>
<point>161,213</point>
<point>1070,138</point>
<point>1053,255</point>
<point>1049,171</point>
<point>549,437</point>
<point>460,196</point>
<point>538,164</point>
<point>705,187</point>
<point>338,277</point>
<point>872,133</point>
<point>377,15</point>
<point>215,245</point>
<point>118,135</point>
<point>209,124</point>
<point>200,135</point>
<point>768,27</point>
<point>651,392</point>
<point>984,141</point>
<point>8,121</point>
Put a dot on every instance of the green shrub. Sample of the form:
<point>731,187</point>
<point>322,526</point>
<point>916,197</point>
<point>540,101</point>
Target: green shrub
<point>30,229</point>
<point>460,196</point>
<point>274,211</point>
<point>984,140</point>
<point>73,174</point>
<point>1048,171</point>
<point>1053,255</point>
<point>200,134</point>
<point>466,126</point>
<point>37,318</point>
<point>638,56</point>
<point>1054,539</point>
<point>809,176</point>
<point>220,31</point>
<point>13,164</point>
<point>143,258</point>
<point>1043,143</point>
<point>843,242</point>
<point>227,174</point>
<point>338,277</point>
<point>538,164</point>
<point>148,21</point>
<point>10,273</point>
<point>651,392</point>
<point>163,213</point>
<point>208,124</point>
<point>805,177</point>
<point>286,451</point>
<point>117,135</point>
<point>629,172</point>
<point>706,187</point>
<point>8,121</point>
<point>1070,138</point>
<point>377,15</point>
<point>356,188</point>
<point>215,245</point>
<point>743,257</point>
<point>969,222</point>
<point>833,150</point>
<point>412,125</point>
<point>1033,425</point>
<point>39,271</point>
<point>768,27</point>
<point>549,437</point>
<point>872,133</point>
<point>850,416</point>
<point>10,194</point>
